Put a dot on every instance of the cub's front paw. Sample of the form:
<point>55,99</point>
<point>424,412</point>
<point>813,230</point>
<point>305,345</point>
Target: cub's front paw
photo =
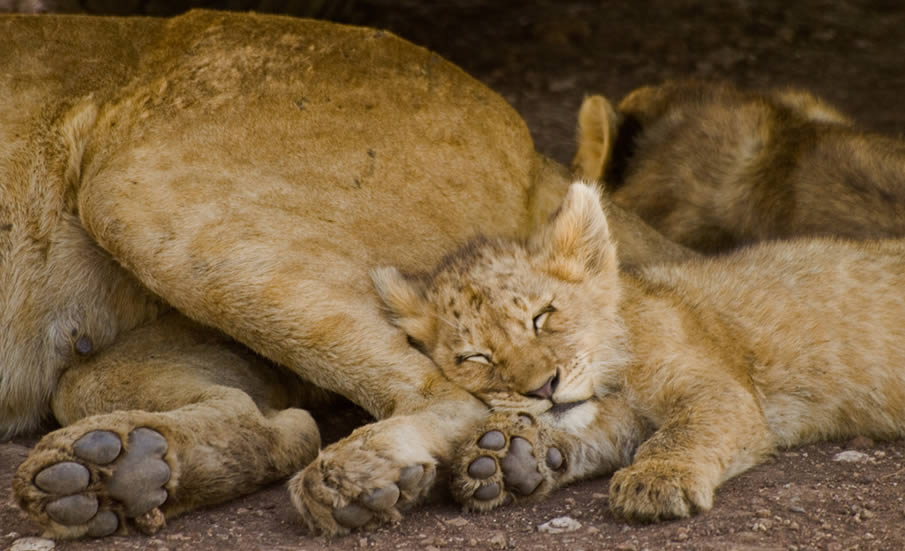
<point>93,483</point>
<point>653,490</point>
<point>511,458</point>
<point>360,482</point>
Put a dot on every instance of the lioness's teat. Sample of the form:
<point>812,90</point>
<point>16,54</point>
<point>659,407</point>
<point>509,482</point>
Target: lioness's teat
<point>680,375</point>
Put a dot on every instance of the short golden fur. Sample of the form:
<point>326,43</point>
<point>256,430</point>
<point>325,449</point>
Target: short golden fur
<point>676,376</point>
<point>713,167</point>
<point>244,172</point>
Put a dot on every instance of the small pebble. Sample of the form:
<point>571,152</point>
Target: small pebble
<point>499,541</point>
<point>851,456</point>
<point>32,544</point>
<point>458,522</point>
<point>559,525</point>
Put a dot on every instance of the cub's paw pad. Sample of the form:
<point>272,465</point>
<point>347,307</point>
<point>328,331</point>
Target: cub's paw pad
<point>657,490</point>
<point>98,485</point>
<point>508,460</point>
<point>332,504</point>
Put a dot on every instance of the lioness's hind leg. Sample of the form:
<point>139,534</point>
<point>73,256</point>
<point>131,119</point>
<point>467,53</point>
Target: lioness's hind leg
<point>513,457</point>
<point>150,437</point>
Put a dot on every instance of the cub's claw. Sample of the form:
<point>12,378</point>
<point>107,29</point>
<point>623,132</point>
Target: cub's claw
<point>91,484</point>
<point>653,490</point>
<point>512,459</point>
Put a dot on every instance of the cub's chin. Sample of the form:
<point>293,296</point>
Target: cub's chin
<point>570,415</point>
<point>562,409</point>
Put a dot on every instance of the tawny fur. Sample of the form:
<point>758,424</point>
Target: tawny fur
<point>681,375</point>
<point>714,167</point>
<point>243,171</point>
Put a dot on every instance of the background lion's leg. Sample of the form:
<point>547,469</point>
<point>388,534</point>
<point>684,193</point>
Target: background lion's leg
<point>195,421</point>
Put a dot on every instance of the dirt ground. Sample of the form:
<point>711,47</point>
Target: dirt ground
<point>543,57</point>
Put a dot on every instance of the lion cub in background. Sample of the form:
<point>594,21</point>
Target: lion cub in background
<point>679,375</point>
<point>713,167</point>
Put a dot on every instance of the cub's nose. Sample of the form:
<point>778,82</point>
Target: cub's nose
<point>545,392</point>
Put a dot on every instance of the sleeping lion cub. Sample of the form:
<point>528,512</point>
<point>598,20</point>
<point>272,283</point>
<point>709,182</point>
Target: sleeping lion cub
<point>714,167</point>
<point>680,375</point>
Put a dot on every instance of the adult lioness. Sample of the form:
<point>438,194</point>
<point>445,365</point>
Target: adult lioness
<point>243,172</point>
<point>680,375</point>
<point>714,167</point>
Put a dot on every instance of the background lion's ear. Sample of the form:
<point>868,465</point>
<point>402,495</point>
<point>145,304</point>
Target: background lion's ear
<point>598,124</point>
<point>405,301</point>
<point>576,243</point>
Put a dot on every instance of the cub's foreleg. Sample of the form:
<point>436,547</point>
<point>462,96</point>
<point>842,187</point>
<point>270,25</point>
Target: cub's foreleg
<point>171,418</point>
<point>710,427</point>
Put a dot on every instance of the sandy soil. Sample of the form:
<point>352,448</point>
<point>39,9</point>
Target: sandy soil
<point>543,57</point>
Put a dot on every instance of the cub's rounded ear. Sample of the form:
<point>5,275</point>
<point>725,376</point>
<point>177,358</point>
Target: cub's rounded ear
<point>404,299</point>
<point>576,243</point>
<point>598,124</point>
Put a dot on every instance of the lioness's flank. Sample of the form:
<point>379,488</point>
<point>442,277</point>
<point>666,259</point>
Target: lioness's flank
<point>679,375</point>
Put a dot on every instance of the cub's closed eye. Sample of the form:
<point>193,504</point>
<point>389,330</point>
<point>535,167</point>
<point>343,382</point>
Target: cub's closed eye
<point>540,320</point>
<point>479,358</point>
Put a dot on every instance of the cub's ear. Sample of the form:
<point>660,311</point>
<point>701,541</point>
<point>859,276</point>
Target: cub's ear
<point>576,243</point>
<point>597,126</point>
<point>404,299</point>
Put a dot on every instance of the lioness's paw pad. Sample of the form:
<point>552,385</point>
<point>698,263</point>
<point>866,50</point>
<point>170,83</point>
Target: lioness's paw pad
<point>333,498</point>
<point>657,490</point>
<point>510,459</point>
<point>95,485</point>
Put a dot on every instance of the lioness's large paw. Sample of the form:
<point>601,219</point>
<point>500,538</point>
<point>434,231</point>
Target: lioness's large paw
<point>653,490</point>
<point>93,483</point>
<point>511,458</point>
<point>358,483</point>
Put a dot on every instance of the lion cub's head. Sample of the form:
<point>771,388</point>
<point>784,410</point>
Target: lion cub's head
<point>522,325</point>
